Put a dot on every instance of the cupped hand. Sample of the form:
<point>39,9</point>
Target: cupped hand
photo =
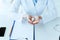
<point>36,20</point>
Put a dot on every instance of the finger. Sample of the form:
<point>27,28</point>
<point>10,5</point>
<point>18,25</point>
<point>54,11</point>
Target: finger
<point>30,22</point>
<point>35,22</point>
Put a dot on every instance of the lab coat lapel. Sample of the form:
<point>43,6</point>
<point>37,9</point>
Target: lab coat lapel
<point>41,4</point>
<point>29,6</point>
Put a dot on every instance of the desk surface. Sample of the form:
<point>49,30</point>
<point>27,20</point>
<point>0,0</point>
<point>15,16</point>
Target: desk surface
<point>48,31</point>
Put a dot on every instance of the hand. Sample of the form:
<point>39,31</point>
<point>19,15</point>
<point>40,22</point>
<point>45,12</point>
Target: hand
<point>30,19</point>
<point>36,21</point>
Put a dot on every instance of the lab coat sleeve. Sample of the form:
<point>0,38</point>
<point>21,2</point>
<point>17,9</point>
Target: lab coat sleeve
<point>15,6</point>
<point>49,12</point>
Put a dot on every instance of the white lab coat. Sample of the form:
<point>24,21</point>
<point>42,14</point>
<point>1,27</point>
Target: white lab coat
<point>46,10</point>
<point>23,29</point>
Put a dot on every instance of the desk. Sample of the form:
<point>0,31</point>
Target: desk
<point>48,31</point>
<point>43,32</point>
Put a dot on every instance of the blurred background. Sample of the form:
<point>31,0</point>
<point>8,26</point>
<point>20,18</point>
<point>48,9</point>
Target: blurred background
<point>45,32</point>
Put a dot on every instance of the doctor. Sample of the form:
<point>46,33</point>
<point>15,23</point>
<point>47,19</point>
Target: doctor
<point>39,9</point>
<point>36,8</point>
